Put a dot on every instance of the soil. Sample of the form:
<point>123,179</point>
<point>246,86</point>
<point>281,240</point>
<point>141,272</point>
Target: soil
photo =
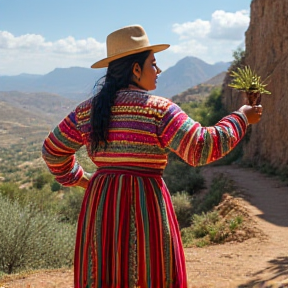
<point>260,261</point>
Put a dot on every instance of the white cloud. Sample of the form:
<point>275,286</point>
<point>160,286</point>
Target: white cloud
<point>34,54</point>
<point>197,29</point>
<point>212,40</point>
<point>193,46</point>
<point>71,46</point>
<point>36,42</point>
<point>229,26</point>
<point>9,41</point>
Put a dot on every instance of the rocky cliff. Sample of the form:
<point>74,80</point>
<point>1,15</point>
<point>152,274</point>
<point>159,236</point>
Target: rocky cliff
<point>267,54</point>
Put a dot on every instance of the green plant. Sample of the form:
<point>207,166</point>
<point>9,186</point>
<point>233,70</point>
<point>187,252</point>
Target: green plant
<point>42,179</point>
<point>235,222</point>
<point>203,223</point>
<point>71,205</point>
<point>55,186</point>
<point>238,55</point>
<point>10,190</point>
<point>183,208</point>
<point>202,242</point>
<point>247,80</point>
<point>30,239</point>
<point>209,111</point>
<point>219,186</point>
<point>179,176</point>
<point>215,107</point>
<point>205,229</point>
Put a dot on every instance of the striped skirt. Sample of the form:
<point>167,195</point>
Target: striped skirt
<point>128,235</point>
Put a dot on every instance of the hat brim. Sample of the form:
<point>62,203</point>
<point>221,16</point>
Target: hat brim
<point>105,62</point>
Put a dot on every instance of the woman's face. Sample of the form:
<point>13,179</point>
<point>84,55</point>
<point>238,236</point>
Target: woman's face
<point>146,77</point>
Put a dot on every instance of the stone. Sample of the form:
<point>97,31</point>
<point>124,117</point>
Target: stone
<point>267,54</point>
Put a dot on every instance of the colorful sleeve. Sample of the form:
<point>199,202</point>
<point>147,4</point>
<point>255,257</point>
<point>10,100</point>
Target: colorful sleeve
<point>58,152</point>
<point>199,145</point>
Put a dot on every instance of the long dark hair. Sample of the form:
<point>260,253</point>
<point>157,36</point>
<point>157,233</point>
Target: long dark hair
<point>119,75</point>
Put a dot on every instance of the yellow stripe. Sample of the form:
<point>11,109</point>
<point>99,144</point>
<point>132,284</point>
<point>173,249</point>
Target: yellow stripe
<point>129,159</point>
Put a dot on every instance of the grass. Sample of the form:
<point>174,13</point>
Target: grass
<point>208,225</point>
<point>210,228</point>
<point>219,186</point>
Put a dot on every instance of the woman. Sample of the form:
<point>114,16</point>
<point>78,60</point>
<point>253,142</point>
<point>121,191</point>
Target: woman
<point>128,234</point>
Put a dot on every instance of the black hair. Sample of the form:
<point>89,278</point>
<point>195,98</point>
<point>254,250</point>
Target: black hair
<point>119,75</point>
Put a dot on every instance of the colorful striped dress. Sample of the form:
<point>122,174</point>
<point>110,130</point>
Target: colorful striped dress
<point>128,235</point>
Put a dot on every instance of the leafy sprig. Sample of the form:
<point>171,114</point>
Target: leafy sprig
<point>248,81</point>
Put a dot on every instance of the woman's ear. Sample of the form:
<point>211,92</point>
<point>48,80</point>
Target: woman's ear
<point>136,71</point>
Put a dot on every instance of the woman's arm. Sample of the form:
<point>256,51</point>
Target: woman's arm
<point>58,152</point>
<point>199,145</point>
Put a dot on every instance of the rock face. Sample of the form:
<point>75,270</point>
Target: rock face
<point>267,54</point>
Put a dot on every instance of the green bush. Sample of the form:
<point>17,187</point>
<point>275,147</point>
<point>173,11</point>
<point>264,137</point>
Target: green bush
<point>42,179</point>
<point>30,239</point>
<point>219,186</point>
<point>179,176</point>
<point>215,108</point>
<point>239,56</point>
<point>71,205</point>
<point>205,229</point>
<point>208,112</point>
<point>202,223</point>
<point>183,208</point>
<point>10,190</point>
<point>55,186</point>
<point>235,222</point>
<point>207,225</point>
<point>43,199</point>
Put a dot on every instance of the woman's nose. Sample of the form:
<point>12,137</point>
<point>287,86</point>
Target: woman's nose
<point>158,70</point>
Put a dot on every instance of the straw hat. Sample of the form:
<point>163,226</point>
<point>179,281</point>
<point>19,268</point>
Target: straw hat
<point>126,41</point>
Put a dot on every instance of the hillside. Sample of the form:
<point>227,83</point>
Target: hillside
<point>30,115</point>
<point>195,94</point>
<point>187,73</point>
<point>199,92</point>
<point>260,261</point>
<point>27,117</point>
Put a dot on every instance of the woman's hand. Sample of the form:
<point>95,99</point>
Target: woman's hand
<point>253,113</point>
<point>83,183</point>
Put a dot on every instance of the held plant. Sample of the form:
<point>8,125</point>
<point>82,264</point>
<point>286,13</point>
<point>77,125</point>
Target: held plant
<point>249,82</point>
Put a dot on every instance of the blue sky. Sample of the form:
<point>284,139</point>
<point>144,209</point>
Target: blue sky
<point>37,36</point>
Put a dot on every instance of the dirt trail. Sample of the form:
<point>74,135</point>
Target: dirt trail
<point>257,262</point>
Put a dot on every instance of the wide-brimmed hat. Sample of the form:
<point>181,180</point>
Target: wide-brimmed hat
<point>126,41</point>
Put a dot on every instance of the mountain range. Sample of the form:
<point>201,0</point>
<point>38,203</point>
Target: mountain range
<point>188,72</point>
<point>77,83</point>
<point>73,83</point>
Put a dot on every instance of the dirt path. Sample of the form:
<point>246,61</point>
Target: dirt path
<point>254,261</point>
<point>257,262</point>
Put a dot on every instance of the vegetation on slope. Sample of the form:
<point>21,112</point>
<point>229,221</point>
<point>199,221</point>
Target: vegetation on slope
<point>48,209</point>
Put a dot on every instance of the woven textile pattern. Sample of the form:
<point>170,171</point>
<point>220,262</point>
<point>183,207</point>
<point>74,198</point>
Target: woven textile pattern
<point>128,234</point>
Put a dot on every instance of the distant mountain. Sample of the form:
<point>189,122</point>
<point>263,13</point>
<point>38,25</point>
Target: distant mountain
<point>188,72</point>
<point>200,92</point>
<point>73,83</point>
<point>217,80</point>
<point>77,83</point>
